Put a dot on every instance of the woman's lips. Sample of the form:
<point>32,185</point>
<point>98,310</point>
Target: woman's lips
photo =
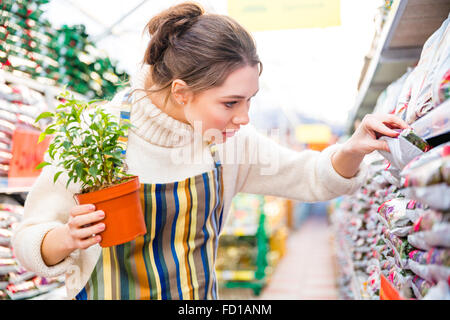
<point>229,133</point>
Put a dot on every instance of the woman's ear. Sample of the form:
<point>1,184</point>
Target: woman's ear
<point>180,92</point>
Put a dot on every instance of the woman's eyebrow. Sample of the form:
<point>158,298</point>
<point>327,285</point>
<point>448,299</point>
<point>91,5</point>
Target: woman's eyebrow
<point>239,96</point>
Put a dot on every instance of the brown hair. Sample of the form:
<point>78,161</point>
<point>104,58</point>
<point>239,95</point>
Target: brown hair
<point>200,49</point>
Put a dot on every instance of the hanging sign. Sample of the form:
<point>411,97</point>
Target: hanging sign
<point>261,15</point>
<point>313,133</point>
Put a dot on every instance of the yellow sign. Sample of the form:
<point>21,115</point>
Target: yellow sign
<point>260,15</point>
<point>313,133</point>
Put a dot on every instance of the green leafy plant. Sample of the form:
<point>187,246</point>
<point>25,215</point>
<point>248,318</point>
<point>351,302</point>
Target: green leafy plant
<point>85,143</point>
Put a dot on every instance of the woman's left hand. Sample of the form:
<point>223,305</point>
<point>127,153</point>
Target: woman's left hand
<point>347,160</point>
<point>364,139</point>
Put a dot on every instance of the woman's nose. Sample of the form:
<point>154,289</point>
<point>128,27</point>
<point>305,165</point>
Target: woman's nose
<point>241,118</point>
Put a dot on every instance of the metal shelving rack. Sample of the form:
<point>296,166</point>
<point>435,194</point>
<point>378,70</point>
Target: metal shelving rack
<point>408,25</point>
<point>253,279</point>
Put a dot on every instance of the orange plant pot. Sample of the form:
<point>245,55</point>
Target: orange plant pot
<point>124,218</point>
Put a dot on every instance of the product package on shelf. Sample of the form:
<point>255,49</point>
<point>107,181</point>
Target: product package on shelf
<point>404,148</point>
<point>387,233</point>
<point>431,65</point>
<point>15,281</point>
<point>407,191</point>
<point>427,177</point>
<point>388,99</point>
<point>426,86</point>
<point>358,235</point>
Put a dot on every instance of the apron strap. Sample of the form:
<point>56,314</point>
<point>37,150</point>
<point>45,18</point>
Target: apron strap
<point>215,154</point>
<point>125,111</point>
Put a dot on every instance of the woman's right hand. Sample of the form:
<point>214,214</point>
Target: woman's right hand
<point>83,226</point>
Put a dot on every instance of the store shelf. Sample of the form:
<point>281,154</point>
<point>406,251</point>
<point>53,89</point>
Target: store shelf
<point>16,185</point>
<point>434,123</point>
<point>54,292</point>
<point>355,282</point>
<point>50,92</point>
<point>408,25</point>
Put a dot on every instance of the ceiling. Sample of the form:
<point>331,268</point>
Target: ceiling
<point>308,72</point>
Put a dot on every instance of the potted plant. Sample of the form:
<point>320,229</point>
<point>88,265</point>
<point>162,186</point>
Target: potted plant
<point>86,145</point>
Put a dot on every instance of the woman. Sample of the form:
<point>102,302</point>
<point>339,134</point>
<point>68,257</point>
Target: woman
<point>200,72</point>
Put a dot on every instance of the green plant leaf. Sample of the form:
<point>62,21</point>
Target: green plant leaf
<point>79,170</point>
<point>68,182</point>
<point>93,170</point>
<point>50,130</point>
<point>57,176</point>
<point>66,145</point>
<point>42,137</point>
<point>42,164</point>
<point>46,114</point>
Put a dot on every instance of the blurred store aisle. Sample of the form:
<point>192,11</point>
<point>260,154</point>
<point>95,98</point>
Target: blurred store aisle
<point>306,272</point>
<point>307,269</point>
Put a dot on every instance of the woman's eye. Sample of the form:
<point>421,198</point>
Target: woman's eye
<point>230,104</point>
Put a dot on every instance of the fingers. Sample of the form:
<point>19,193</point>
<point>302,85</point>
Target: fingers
<point>391,119</point>
<point>380,145</point>
<point>379,123</point>
<point>374,124</point>
<point>86,219</point>
<point>86,243</point>
<point>83,233</point>
<point>84,224</point>
<point>81,209</point>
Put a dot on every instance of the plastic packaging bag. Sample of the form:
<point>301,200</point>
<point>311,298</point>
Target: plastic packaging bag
<point>439,236</point>
<point>405,95</point>
<point>388,99</point>
<point>392,175</point>
<point>404,148</point>
<point>429,218</point>
<point>433,256</point>
<point>427,178</point>
<point>402,231</point>
<point>441,85</point>
<point>5,237</point>
<point>420,286</point>
<point>400,248</point>
<point>428,169</point>
<point>441,291</point>
<point>387,264</point>
<point>431,195</point>
<point>397,213</point>
<point>5,252</point>
<point>435,50</point>
<point>400,279</point>
<point>430,272</point>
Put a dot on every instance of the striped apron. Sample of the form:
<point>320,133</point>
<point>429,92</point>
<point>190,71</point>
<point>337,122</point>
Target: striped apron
<point>175,259</point>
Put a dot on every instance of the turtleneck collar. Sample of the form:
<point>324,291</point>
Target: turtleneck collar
<point>151,123</point>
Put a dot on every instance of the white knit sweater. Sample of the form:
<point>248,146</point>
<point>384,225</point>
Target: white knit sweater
<point>252,163</point>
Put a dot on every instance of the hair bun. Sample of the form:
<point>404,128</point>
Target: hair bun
<point>168,25</point>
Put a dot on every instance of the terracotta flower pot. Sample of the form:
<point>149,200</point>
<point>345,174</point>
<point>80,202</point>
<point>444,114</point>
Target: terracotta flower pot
<point>124,219</point>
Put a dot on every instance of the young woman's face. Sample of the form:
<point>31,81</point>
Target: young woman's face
<point>222,110</point>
